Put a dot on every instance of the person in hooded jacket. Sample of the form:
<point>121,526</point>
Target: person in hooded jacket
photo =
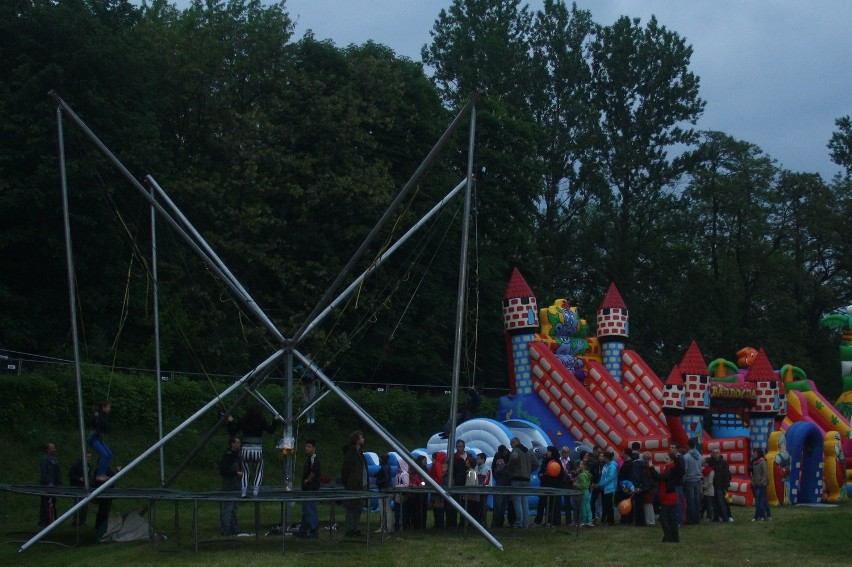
<point>400,510</point>
<point>437,502</point>
<point>417,500</point>
<point>692,481</point>
<point>500,474</point>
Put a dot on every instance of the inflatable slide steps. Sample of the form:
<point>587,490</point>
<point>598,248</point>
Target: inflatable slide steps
<point>576,408</point>
<point>643,386</point>
<point>621,407</point>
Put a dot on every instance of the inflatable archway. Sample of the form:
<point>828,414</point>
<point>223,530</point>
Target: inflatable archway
<point>805,444</point>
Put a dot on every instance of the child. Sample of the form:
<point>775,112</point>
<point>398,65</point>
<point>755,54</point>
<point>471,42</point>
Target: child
<point>707,489</point>
<point>383,482</point>
<point>584,481</point>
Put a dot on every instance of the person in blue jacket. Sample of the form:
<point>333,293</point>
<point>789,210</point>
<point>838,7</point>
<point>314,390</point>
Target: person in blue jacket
<point>608,485</point>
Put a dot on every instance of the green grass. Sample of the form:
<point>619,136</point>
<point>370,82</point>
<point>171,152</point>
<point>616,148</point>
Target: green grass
<point>796,536</point>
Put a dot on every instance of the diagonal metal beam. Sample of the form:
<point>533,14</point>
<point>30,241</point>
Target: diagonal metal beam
<point>397,446</point>
<point>263,368</point>
<point>432,156</point>
<point>235,288</point>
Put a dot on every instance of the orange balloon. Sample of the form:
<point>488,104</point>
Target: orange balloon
<point>625,506</point>
<point>554,469</point>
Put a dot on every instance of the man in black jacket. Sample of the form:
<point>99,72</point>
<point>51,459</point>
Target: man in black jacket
<point>231,470</point>
<point>354,476</point>
<point>309,526</point>
<point>721,482</point>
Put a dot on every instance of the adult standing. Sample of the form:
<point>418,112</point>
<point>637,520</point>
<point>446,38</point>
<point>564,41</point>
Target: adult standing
<point>607,485</point>
<point>521,463</point>
<point>593,465</point>
<point>97,439</point>
<point>49,475</point>
<point>231,471</point>
<point>721,482</point>
<point>668,480</point>
<point>692,480</point>
<point>252,425</point>
<point>77,474</point>
<point>759,483</point>
<point>642,490</point>
<point>353,473</point>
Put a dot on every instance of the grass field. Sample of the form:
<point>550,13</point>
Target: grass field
<point>796,536</point>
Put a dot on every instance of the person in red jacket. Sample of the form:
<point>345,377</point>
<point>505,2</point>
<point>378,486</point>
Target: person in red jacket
<point>668,479</point>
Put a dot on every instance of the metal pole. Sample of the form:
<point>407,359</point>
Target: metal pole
<point>72,296</point>
<point>433,154</point>
<point>210,253</point>
<point>460,305</point>
<point>246,299</point>
<point>396,446</point>
<point>263,401</point>
<point>265,366</point>
<point>308,407</point>
<point>209,435</point>
<point>156,300</point>
<point>379,261</point>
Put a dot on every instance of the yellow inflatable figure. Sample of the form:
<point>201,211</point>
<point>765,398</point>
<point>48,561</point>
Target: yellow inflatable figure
<point>778,461</point>
<point>834,468</point>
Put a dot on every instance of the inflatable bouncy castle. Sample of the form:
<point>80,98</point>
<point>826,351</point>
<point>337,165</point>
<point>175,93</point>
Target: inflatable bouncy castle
<point>570,385</point>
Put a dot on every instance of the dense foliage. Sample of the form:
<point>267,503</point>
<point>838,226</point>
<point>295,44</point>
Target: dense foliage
<point>284,153</point>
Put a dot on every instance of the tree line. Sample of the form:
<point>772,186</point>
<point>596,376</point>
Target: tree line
<point>284,153</point>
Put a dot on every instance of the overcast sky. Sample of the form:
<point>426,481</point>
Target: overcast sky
<point>775,73</point>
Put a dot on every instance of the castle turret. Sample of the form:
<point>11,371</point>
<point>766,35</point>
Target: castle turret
<point>766,403</point>
<point>673,391</point>
<point>612,330</point>
<point>520,323</point>
<point>696,380</point>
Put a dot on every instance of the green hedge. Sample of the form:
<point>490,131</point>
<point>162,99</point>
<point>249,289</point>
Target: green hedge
<point>50,395</point>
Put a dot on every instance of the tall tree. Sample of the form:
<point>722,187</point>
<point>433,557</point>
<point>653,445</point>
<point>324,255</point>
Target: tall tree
<point>647,98</point>
<point>840,144</point>
<point>730,193</point>
<point>560,102</point>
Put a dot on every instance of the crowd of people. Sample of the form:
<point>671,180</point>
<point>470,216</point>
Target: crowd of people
<point>610,490</point>
<point>686,489</point>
